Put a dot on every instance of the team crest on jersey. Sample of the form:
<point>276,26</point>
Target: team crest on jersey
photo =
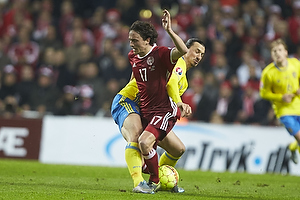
<point>178,70</point>
<point>150,60</point>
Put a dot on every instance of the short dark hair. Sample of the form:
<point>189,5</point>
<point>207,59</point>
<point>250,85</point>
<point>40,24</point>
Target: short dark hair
<point>191,41</point>
<point>145,30</point>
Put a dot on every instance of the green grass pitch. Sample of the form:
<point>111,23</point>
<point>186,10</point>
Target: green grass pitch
<point>22,179</point>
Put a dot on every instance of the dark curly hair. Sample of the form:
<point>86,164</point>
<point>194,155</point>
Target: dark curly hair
<point>145,30</point>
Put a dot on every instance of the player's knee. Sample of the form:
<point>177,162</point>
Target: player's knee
<point>180,151</point>
<point>145,143</point>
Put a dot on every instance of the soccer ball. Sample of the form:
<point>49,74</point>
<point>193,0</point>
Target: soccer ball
<point>168,177</point>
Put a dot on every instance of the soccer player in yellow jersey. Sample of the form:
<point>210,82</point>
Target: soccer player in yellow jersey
<point>280,85</point>
<point>126,113</point>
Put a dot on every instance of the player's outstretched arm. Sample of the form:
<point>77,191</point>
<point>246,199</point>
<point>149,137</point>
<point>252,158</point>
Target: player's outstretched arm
<point>181,48</point>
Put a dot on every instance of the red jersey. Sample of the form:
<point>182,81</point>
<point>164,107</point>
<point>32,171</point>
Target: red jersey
<point>152,73</point>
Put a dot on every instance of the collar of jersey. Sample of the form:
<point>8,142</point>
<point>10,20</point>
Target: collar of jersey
<point>282,69</point>
<point>148,52</point>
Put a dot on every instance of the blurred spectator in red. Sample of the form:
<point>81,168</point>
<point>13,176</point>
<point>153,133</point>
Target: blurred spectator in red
<point>184,17</point>
<point>24,51</point>
<point>228,16</point>
<point>253,80</point>
<point>78,26</point>
<point>218,47</point>
<point>112,22</point>
<point>250,96</point>
<point>15,16</point>
<point>230,2</point>
<point>294,23</point>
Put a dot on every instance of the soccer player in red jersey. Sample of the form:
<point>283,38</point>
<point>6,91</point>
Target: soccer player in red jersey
<point>152,66</point>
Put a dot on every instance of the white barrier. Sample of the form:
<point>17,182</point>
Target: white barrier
<point>97,141</point>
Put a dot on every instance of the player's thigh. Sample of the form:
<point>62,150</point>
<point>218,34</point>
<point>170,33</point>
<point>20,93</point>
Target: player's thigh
<point>172,144</point>
<point>132,127</point>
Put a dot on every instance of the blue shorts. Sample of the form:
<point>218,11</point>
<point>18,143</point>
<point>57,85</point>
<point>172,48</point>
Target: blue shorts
<point>291,123</point>
<point>121,107</point>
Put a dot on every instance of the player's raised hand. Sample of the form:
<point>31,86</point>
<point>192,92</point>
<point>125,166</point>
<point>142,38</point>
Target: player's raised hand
<point>166,20</point>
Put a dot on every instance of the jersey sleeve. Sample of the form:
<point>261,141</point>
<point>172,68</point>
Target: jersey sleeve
<point>173,84</point>
<point>265,89</point>
<point>172,88</point>
<point>165,54</point>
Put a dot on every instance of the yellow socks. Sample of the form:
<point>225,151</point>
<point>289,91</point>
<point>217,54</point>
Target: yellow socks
<point>168,159</point>
<point>134,162</point>
<point>293,146</point>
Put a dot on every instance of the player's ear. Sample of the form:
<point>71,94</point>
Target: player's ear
<point>148,41</point>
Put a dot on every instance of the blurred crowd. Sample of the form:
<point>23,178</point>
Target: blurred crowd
<point>69,57</point>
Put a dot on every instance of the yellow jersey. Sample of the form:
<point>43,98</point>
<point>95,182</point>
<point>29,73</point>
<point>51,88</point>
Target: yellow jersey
<point>176,86</point>
<point>275,82</point>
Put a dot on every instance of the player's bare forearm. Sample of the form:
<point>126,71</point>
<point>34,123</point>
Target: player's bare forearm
<point>181,48</point>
